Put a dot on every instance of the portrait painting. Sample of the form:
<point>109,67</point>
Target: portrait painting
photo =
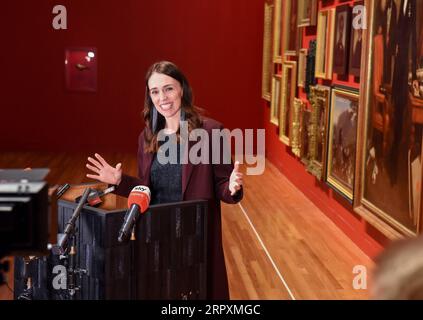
<point>342,141</point>
<point>325,40</point>
<point>276,99</point>
<point>267,66</point>
<point>277,31</point>
<point>391,119</point>
<point>356,44</point>
<point>288,92</point>
<point>342,39</point>
<point>307,13</point>
<point>310,79</point>
<point>302,65</point>
<point>291,32</point>
<point>305,135</point>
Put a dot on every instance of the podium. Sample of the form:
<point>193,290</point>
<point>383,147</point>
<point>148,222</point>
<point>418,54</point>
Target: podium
<point>166,260</point>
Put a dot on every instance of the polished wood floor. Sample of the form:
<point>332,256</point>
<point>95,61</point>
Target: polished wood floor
<point>278,245</point>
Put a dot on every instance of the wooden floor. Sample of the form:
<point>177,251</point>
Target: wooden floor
<point>278,245</point>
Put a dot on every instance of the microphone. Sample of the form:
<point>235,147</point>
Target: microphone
<point>138,202</point>
<point>94,198</point>
<point>62,245</point>
<point>62,190</point>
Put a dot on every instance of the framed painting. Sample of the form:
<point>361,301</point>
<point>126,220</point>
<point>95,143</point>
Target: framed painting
<point>325,38</point>
<point>277,31</point>
<point>276,99</point>
<point>288,91</point>
<point>81,69</point>
<point>356,42</point>
<point>342,139</point>
<point>320,99</point>
<point>310,68</point>
<point>342,39</point>
<point>388,186</point>
<point>291,33</point>
<point>305,135</point>
<point>307,13</point>
<point>302,65</point>
<point>267,68</point>
<point>297,109</point>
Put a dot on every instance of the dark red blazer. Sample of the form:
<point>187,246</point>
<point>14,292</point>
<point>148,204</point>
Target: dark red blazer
<point>200,181</point>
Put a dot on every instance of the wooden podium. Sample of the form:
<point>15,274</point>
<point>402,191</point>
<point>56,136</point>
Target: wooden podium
<point>166,260</point>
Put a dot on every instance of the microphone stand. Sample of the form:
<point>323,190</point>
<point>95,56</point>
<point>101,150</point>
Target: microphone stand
<point>132,266</point>
<point>68,253</point>
<point>27,293</point>
<point>72,270</point>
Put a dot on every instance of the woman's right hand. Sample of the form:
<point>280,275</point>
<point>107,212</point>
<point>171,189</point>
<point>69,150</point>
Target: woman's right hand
<point>104,171</point>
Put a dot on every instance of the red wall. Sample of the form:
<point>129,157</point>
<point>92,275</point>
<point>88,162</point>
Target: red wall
<point>218,45</point>
<point>334,206</point>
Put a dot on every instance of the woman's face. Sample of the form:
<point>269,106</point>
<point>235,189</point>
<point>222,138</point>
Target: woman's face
<point>166,94</point>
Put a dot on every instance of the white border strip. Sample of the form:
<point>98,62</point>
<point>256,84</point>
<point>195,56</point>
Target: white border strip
<point>267,252</point>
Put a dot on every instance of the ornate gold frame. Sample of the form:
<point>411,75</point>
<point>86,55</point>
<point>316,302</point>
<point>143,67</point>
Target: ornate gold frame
<point>302,64</point>
<point>277,32</point>
<point>320,100</point>
<point>285,111</point>
<point>307,21</point>
<point>286,34</point>
<point>299,105</point>
<point>338,184</point>
<point>305,129</point>
<point>375,216</point>
<point>325,39</point>
<point>267,71</point>
<point>276,99</point>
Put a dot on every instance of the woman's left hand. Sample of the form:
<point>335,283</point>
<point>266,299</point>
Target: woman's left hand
<point>235,181</point>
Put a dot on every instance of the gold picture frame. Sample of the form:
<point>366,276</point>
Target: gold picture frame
<point>325,39</point>
<point>302,66</point>
<point>277,32</point>
<point>305,135</point>
<point>388,142</point>
<point>320,100</point>
<point>307,13</point>
<point>276,99</point>
<point>342,138</point>
<point>288,91</point>
<point>291,33</point>
<point>267,68</point>
<point>297,109</point>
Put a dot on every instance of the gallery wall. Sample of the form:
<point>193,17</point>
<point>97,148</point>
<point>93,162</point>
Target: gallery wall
<point>332,202</point>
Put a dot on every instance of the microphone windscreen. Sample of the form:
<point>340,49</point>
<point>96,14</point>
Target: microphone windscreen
<point>140,195</point>
<point>94,199</point>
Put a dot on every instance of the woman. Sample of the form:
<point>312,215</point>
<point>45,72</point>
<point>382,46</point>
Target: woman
<point>168,100</point>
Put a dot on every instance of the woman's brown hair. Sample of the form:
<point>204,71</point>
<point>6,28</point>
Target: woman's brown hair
<point>189,112</point>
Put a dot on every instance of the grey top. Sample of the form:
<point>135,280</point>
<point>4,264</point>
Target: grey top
<point>166,180</point>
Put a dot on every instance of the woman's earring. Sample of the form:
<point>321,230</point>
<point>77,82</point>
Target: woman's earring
<point>154,120</point>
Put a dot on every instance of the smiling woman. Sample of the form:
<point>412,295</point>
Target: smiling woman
<point>168,104</point>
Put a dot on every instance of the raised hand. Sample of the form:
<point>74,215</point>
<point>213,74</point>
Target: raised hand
<point>235,181</point>
<point>104,171</point>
